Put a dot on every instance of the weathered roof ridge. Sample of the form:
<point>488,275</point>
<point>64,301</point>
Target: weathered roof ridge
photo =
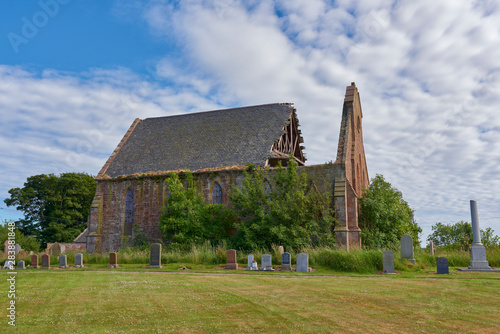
<point>119,147</point>
<point>195,141</point>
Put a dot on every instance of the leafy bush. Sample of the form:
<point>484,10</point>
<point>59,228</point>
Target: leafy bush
<point>188,219</point>
<point>385,216</point>
<point>280,207</point>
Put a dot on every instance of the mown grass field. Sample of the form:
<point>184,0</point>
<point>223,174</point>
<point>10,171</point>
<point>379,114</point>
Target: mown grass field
<point>204,300</point>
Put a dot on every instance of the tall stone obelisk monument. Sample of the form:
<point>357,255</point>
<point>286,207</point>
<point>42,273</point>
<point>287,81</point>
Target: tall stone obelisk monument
<point>478,253</point>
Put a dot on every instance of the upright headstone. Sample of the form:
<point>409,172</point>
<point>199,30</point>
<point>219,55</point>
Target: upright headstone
<point>477,252</point>
<point>250,262</point>
<point>231,263</point>
<point>79,260</point>
<point>21,265</point>
<point>407,248</point>
<point>303,262</point>
<point>431,247</point>
<point>286,262</point>
<point>113,261</point>
<point>45,261</point>
<point>63,261</point>
<point>388,262</point>
<point>281,250</point>
<point>34,261</point>
<point>6,246</point>
<point>17,248</point>
<point>266,260</point>
<point>155,256</point>
<point>442,266</point>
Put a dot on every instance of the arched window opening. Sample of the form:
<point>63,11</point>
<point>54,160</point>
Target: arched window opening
<point>217,194</point>
<point>129,212</point>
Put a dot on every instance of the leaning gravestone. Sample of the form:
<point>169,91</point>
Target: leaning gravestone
<point>63,261</point>
<point>79,260</point>
<point>407,248</point>
<point>231,263</point>
<point>286,262</point>
<point>155,256</point>
<point>303,262</point>
<point>45,261</point>
<point>17,248</point>
<point>21,265</point>
<point>113,261</point>
<point>442,266</point>
<point>388,262</point>
<point>34,261</point>
<point>55,249</point>
<point>266,262</point>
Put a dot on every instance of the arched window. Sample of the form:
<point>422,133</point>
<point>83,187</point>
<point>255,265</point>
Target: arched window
<point>129,212</point>
<point>267,187</point>
<point>217,194</point>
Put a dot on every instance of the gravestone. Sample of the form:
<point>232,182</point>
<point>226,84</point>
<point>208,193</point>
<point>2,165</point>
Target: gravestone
<point>79,260</point>
<point>34,261</point>
<point>303,262</point>
<point>477,252</point>
<point>266,262</point>
<point>286,262</point>
<point>45,261</point>
<point>388,262</point>
<point>231,263</point>
<point>442,266</point>
<point>63,261</point>
<point>6,246</point>
<point>113,261</point>
<point>250,262</point>
<point>8,265</point>
<point>281,250</point>
<point>407,248</point>
<point>55,249</point>
<point>21,265</point>
<point>155,256</point>
<point>17,248</point>
<point>431,247</point>
<point>22,254</point>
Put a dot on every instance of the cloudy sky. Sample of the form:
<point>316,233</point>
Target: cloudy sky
<point>74,74</point>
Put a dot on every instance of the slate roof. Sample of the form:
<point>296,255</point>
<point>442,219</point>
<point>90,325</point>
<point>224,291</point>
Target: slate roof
<point>228,137</point>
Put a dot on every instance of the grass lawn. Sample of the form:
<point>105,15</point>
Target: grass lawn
<point>98,300</point>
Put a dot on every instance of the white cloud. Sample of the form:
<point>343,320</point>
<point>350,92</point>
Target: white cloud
<point>427,72</point>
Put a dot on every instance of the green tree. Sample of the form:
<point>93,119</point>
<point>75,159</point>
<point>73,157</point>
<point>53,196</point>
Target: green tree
<point>55,208</point>
<point>280,207</point>
<point>385,216</point>
<point>28,243</point>
<point>460,235</point>
<point>189,219</point>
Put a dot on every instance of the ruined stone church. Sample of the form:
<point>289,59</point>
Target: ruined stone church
<point>217,146</point>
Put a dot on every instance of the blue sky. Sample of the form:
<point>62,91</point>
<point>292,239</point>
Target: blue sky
<point>74,74</point>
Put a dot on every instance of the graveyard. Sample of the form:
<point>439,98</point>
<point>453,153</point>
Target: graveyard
<point>268,291</point>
